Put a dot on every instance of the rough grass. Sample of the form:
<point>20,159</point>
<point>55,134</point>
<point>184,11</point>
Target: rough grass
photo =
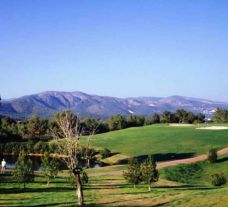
<point>203,172</point>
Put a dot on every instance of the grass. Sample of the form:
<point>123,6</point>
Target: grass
<point>36,194</point>
<point>202,176</point>
<point>112,190</point>
<point>164,141</point>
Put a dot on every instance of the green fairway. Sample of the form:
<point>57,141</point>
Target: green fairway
<point>160,140</point>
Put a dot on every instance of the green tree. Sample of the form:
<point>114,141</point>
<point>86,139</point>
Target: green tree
<point>89,155</point>
<point>36,127</point>
<point>190,118</point>
<point>199,118</point>
<point>8,130</point>
<point>41,147</point>
<point>182,115</point>
<point>23,172</point>
<point>117,122</point>
<point>134,121</point>
<point>22,129</point>
<point>89,124</point>
<point>149,173</point>
<point>155,119</point>
<point>168,117</point>
<point>50,167</point>
<point>220,115</point>
<point>133,174</point>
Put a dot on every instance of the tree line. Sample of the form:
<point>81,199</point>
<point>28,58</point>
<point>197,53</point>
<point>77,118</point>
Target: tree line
<point>221,115</point>
<point>45,129</point>
<point>37,128</point>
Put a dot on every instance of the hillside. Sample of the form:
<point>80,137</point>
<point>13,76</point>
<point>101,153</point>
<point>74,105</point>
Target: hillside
<point>47,103</point>
<point>163,141</point>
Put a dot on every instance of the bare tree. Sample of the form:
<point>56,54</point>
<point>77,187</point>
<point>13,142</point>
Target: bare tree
<point>69,147</point>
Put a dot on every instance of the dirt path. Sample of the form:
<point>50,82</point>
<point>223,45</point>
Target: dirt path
<point>170,163</point>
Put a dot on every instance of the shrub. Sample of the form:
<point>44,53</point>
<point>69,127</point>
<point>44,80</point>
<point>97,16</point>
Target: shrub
<point>218,179</point>
<point>183,173</point>
<point>105,153</point>
<point>212,156</point>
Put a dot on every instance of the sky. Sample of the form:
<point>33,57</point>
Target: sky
<point>123,48</point>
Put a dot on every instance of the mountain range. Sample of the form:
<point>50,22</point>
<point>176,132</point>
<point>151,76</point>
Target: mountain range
<point>45,104</point>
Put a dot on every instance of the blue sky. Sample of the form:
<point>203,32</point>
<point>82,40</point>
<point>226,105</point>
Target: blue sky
<point>115,47</point>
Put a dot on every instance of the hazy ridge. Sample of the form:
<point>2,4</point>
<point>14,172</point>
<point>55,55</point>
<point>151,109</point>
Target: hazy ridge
<point>45,104</point>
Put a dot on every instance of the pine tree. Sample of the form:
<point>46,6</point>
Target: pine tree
<point>133,174</point>
<point>50,167</point>
<point>149,173</point>
<point>23,173</point>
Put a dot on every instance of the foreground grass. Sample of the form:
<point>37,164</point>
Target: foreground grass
<point>112,190</point>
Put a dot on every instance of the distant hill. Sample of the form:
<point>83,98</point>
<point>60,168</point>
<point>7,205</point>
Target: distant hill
<point>47,103</point>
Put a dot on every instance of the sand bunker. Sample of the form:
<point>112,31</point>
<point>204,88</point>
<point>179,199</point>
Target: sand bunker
<point>180,125</point>
<point>213,128</point>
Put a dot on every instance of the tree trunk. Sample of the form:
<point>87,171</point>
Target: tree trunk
<point>88,163</point>
<point>149,187</point>
<point>79,189</point>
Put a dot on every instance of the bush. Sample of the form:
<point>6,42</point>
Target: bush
<point>218,179</point>
<point>212,156</point>
<point>105,153</point>
<point>183,173</point>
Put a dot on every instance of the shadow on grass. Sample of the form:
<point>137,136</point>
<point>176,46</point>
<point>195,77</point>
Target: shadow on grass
<point>42,205</point>
<point>224,159</point>
<point>34,190</point>
<point>128,205</point>
<point>161,157</point>
<point>100,186</point>
<point>102,179</point>
<point>185,187</point>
